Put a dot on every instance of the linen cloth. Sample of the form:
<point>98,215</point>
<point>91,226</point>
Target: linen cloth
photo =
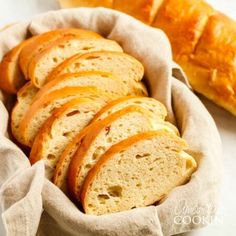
<point>32,205</point>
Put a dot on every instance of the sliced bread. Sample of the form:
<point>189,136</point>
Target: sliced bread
<point>25,97</point>
<point>29,93</point>
<point>41,42</point>
<point>154,106</point>
<point>11,77</point>
<point>44,62</point>
<point>98,139</point>
<point>106,82</point>
<point>156,109</point>
<point>62,166</point>
<point>137,172</point>
<point>41,109</point>
<point>124,66</point>
<point>60,128</point>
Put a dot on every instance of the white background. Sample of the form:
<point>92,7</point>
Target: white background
<point>15,10</point>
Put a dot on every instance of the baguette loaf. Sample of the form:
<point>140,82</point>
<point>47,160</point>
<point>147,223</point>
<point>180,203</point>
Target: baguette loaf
<point>203,43</point>
<point>124,66</point>
<point>202,39</point>
<point>41,109</point>
<point>60,128</point>
<point>41,42</point>
<point>213,62</point>
<point>155,108</point>
<point>137,172</point>
<point>98,139</point>
<point>144,10</point>
<point>44,62</point>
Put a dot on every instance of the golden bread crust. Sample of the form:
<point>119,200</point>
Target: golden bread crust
<point>78,57</point>
<point>58,44</point>
<point>11,78</point>
<point>183,21</point>
<point>113,103</point>
<point>64,77</point>
<point>36,153</point>
<point>144,10</point>
<point>41,42</point>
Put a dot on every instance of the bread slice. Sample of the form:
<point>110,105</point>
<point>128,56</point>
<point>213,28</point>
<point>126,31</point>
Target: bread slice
<point>11,78</point>
<point>124,66</point>
<point>44,62</point>
<point>98,139</point>
<point>42,41</point>
<point>156,109</point>
<point>60,128</point>
<point>137,172</point>
<point>29,93</point>
<point>62,166</point>
<point>42,108</point>
<point>61,171</point>
<point>25,97</point>
<point>106,82</point>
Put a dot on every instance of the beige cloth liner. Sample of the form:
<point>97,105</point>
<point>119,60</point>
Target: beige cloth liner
<point>33,205</point>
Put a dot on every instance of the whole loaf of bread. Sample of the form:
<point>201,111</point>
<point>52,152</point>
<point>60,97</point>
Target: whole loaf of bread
<point>203,41</point>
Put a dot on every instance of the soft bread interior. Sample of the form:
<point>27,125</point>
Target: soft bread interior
<point>43,108</point>
<point>25,97</point>
<point>106,82</point>
<point>43,41</point>
<point>124,66</point>
<point>136,172</point>
<point>60,129</point>
<point>156,108</point>
<point>105,133</point>
<point>45,62</point>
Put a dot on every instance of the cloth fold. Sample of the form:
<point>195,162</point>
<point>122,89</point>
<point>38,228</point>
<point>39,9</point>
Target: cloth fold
<point>32,205</point>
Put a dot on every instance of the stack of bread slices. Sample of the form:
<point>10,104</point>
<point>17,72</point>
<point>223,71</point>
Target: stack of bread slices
<point>82,109</point>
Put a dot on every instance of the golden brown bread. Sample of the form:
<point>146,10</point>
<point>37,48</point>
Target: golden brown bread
<point>203,43</point>
<point>202,39</point>
<point>11,78</point>
<point>42,41</point>
<point>144,10</point>
<point>15,63</point>
<point>183,22</point>
<point>61,117</point>
<point>211,68</point>
<point>46,105</point>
